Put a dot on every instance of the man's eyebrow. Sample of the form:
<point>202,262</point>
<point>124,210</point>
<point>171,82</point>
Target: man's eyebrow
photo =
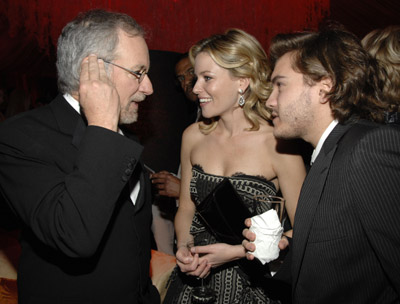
<point>139,67</point>
<point>142,67</point>
<point>276,78</point>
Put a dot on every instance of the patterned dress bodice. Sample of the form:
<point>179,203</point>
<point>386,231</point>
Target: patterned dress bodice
<point>247,187</point>
<point>231,284</point>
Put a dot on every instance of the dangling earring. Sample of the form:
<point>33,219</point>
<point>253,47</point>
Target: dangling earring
<point>242,101</point>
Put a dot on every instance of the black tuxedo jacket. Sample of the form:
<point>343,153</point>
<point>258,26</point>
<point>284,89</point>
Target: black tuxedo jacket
<point>346,241</point>
<point>83,240</point>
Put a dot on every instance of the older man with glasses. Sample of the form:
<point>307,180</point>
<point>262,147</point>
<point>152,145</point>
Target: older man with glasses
<point>74,176</point>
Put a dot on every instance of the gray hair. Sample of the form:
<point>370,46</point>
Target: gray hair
<point>92,32</point>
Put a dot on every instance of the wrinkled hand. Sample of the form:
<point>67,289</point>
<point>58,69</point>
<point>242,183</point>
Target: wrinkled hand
<point>98,96</point>
<point>218,254</point>
<point>250,237</point>
<point>190,264</point>
<point>166,184</point>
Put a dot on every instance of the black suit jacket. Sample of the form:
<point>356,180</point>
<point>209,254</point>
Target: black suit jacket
<point>83,240</point>
<point>346,242</point>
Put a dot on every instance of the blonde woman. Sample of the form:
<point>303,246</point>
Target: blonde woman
<point>235,141</point>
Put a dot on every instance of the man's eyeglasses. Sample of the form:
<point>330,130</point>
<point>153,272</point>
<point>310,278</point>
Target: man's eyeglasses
<point>138,74</point>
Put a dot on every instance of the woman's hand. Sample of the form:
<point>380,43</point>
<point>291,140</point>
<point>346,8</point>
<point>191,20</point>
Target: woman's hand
<point>190,263</point>
<point>218,254</point>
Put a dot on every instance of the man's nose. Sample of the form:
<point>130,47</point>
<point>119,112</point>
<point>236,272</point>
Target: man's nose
<point>271,101</point>
<point>188,82</point>
<point>146,87</point>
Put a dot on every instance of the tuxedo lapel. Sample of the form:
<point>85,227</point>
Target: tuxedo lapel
<point>139,175</point>
<point>142,193</point>
<point>310,196</point>
<point>78,133</point>
<point>69,121</point>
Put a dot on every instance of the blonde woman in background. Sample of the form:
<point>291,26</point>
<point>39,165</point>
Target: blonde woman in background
<point>384,46</point>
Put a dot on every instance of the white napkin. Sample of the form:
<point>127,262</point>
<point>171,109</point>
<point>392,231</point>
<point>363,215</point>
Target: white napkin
<point>268,230</point>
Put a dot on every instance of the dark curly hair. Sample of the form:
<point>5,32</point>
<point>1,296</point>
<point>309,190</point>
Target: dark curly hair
<point>337,54</point>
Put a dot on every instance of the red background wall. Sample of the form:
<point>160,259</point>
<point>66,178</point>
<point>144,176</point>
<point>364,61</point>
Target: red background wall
<point>29,31</point>
<point>29,28</point>
<point>173,25</point>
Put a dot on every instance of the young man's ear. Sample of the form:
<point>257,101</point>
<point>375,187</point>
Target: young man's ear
<point>325,87</point>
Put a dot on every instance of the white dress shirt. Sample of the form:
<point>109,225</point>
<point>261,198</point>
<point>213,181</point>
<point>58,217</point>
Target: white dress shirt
<point>321,141</point>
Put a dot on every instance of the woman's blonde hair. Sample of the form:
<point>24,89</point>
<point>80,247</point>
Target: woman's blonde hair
<point>384,46</point>
<point>241,54</point>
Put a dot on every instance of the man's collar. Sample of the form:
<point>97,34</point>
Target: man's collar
<point>321,141</point>
<point>73,102</point>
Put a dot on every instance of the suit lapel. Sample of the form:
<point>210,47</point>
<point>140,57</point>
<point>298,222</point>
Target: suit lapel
<point>142,193</point>
<point>69,121</point>
<point>310,196</point>
<point>139,174</point>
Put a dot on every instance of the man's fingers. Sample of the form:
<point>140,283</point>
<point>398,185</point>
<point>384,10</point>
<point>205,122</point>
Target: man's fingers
<point>84,76</point>
<point>102,70</point>
<point>94,73</point>
<point>283,243</point>
<point>248,245</point>
<point>251,236</point>
<point>162,175</point>
<point>158,180</point>
<point>249,256</point>
<point>244,232</point>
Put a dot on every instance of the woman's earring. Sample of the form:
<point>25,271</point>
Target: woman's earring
<point>242,101</point>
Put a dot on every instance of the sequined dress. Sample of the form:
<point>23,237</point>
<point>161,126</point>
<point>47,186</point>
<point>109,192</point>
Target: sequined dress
<point>231,284</point>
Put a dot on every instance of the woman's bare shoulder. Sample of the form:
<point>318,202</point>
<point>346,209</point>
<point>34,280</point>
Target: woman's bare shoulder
<point>192,134</point>
<point>192,130</point>
<point>267,132</point>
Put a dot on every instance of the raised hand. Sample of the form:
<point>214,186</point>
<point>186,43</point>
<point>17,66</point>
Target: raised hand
<point>98,96</point>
